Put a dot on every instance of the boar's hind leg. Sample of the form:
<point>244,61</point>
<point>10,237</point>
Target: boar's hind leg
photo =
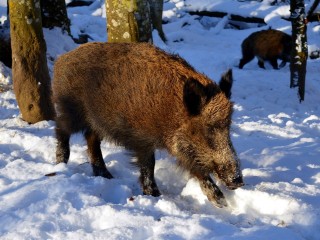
<point>146,163</point>
<point>245,59</point>
<point>63,148</point>
<point>212,191</point>
<point>274,63</point>
<point>261,63</point>
<point>283,64</point>
<point>98,166</point>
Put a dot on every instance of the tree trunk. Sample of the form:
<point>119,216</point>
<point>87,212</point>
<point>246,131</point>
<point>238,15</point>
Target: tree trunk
<point>299,54</point>
<point>156,9</point>
<point>31,80</point>
<point>128,21</point>
<point>54,14</point>
<point>5,45</point>
<point>311,10</point>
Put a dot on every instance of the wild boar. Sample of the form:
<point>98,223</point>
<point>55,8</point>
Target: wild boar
<point>143,98</point>
<point>267,45</point>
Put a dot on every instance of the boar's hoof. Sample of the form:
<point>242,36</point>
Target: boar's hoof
<point>102,172</point>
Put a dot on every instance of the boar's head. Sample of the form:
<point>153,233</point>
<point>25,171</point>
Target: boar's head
<point>202,144</point>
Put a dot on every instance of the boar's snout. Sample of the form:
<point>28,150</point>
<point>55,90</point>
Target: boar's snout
<point>236,183</point>
<point>230,173</point>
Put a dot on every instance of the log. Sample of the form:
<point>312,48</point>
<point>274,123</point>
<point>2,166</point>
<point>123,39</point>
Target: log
<point>233,17</point>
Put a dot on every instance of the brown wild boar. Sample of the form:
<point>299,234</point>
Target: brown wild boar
<point>267,45</point>
<point>142,98</point>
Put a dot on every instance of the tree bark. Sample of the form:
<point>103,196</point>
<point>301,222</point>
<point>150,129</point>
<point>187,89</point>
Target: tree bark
<point>311,10</point>
<point>128,21</point>
<point>31,80</point>
<point>54,14</point>
<point>299,54</point>
<point>156,9</point>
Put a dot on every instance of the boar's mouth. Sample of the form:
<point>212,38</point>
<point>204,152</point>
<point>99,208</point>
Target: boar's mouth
<point>235,183</point>
<point>230,183</point>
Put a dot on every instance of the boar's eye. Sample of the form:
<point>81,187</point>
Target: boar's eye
<point>211,129</point>
<point>210,136</point>
<point>218,125</point>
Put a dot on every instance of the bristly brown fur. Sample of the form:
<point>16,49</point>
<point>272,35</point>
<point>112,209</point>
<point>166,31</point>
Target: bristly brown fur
<point>266,45</point>
<point>143,98</point>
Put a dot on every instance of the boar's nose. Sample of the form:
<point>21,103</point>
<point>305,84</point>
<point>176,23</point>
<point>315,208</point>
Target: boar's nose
<point>236,183</point>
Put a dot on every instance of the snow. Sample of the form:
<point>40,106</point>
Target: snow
<point>276,137</point>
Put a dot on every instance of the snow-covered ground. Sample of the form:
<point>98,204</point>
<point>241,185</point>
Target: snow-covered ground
<point>276,137</point>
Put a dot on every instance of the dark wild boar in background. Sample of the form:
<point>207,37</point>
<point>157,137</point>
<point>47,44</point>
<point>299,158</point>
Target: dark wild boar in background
<point>267,45</point>
<point>142,98</point>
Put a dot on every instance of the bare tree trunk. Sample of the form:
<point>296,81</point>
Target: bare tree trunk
<point>128,21</point>
<point>5,45</point>
<point>156,9</point>
<point>54,14</point>
<point>312,8</point>
<point>31,80</point>
<point>299,52</point>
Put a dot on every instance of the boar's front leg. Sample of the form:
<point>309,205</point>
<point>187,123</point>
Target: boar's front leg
<point>146,162</point>
<point>212,191</point>
<point>63,147</point>
<point>94,151</point>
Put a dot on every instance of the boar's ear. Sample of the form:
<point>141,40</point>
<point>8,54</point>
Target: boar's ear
<point>225,83</point>
<point>196,95</point>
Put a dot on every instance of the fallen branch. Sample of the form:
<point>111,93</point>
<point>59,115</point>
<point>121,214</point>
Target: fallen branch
<point>232,17</point>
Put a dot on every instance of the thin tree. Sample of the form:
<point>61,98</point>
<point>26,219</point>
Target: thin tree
<point>5,45</point>
<point>54,14</point>
<point>312,8</point>
<point>299,52</point>
<point>128,21</point>
<point>156,10</point>
<point>31,80</point>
